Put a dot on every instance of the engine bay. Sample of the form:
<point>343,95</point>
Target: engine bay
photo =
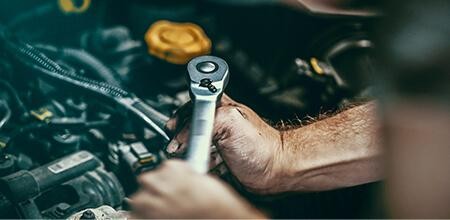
<point>87,87</point>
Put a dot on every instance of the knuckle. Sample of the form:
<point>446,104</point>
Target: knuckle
<point>226,112</point>
<point>171,164</point>
<point>182,148</point>
<point>145,177</point>
<point>171,124</point>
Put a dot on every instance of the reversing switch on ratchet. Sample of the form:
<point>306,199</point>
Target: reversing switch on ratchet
<point>208,77</point>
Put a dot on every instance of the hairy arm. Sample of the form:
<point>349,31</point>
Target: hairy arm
<point>340,151</point>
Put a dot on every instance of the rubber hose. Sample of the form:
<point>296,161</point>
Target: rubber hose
<point>94,65</point>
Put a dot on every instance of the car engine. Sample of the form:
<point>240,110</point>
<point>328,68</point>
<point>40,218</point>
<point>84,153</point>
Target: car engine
<point>87,86</point>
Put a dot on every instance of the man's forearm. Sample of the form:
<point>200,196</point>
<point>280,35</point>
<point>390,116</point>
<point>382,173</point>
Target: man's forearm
<point>336,152</point>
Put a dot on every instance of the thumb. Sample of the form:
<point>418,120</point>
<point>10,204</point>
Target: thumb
<point>226,100</point>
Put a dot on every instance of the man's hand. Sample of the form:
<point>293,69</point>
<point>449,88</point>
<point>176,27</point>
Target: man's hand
<point>176,191</point>
<point>339,151</point>
<point>249,146</point>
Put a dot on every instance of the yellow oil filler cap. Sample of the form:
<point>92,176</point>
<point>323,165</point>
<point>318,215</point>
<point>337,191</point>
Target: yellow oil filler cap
<point>72,6</point>
<point>177,43</point>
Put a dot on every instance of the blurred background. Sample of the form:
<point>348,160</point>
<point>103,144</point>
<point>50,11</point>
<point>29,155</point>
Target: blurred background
<point>290,61</point>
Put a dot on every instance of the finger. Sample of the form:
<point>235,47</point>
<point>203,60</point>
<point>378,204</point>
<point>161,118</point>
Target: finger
<point>226,100</point>
<point>179,142</point>
<point>215,159</point>
<point>157,181</point>
<point>219,170</point>
<point>182,150</point>
<point>226,115</point>
<point>173,146</point>
<point>184,112</point>
<point>143,204</point>
<point>180,117</point>
<point>150,182</point>
<point>171,124</point>
<point>133,216</point>
<point>161,180</point>
<point>174,166</point>
<point>228,118</point>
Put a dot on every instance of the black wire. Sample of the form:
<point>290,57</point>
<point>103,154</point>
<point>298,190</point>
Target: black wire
<point>15,97</point>
<point>56,125</point>
<point>32,57</point>
<point>7,116</point>
<point>36,60</point>
<point>87,60</point>
<point>31,14</point>
<point>94,65</point>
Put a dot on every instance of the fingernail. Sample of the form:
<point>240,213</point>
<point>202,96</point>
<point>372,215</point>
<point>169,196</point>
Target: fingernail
<point>173,146</point>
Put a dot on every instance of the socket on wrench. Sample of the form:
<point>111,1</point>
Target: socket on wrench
<point>208,77</point>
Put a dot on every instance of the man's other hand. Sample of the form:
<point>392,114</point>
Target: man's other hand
<point>174,190</point>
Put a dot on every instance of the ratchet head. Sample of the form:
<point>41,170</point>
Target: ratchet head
<point>208,76</point>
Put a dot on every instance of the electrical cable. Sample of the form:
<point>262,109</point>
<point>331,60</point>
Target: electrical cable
<point>48,68</point>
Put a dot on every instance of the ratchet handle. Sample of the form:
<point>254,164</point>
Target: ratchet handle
<point>208,77</point>
<point>201,135</point>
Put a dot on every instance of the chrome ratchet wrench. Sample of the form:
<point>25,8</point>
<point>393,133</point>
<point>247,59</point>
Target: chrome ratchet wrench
<point>208,77</point>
